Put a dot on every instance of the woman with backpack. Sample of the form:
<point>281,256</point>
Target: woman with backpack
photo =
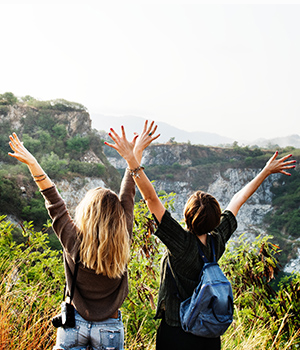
<point>96,245</point>
<point>202,215</point>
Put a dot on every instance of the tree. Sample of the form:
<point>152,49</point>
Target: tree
<point>8,98</point>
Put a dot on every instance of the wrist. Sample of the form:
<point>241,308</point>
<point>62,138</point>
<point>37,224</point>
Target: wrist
<point>138,155</point>
<point>266,171</point>
<point>32,162</point>
<point>132,162</point>
<point>135,172</point>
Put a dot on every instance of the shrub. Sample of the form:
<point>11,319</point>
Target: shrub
<point>31,289</point>
<point>8,98</point>
<point>87,169</point>
<point>54,166</point>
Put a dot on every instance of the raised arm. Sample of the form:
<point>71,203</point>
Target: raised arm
<point>132,153</point>
<point>24,156</point>
<point>273,166</point>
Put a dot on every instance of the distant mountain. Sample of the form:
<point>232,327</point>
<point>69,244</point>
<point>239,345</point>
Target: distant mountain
<point>135,124</point>
<point>292,140</point>
<point>169,132</point>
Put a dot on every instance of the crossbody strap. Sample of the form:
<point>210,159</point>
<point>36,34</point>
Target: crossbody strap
<point>73,281</point>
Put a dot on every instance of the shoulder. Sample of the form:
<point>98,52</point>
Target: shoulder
<point>174,236</point>
<point>51,194</point>
<point>168,223</point>
<point>227,225</point>
<point>227,215</point>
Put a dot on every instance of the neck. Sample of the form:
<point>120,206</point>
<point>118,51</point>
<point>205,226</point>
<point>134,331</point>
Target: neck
<point>203,238</point>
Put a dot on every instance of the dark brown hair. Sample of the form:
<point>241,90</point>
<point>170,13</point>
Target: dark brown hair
<point>202,213</point>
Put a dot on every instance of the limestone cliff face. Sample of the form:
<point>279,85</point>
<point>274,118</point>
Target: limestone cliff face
<point>74,190</point>
<point>223,187</point>
<point>77,121</point>
<point>221,183</point>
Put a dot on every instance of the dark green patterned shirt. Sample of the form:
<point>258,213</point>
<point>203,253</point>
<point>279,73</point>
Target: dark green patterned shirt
<point>185,261</point>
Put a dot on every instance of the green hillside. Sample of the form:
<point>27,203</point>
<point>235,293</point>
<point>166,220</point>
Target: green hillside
<point>47,130</point>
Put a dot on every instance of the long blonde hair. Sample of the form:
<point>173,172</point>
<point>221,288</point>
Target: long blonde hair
<point>101,222</point>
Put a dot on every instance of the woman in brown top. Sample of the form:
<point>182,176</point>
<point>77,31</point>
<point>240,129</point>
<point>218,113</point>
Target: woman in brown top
<point>100,238</point>
<point>202,215</point>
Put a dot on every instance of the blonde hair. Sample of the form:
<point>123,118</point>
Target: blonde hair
<point>101,224</point>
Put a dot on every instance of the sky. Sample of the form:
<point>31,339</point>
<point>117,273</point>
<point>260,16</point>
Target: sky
<point>231,69</point>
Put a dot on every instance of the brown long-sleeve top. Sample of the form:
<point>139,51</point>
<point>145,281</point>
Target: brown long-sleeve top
<point>96,297</point>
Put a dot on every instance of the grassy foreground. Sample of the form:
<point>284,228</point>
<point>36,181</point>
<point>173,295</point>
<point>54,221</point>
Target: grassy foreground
<point>32,281</point>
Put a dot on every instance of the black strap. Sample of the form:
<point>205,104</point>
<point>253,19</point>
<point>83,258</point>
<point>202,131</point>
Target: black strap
<point>177,294</point>
<point>73,281</point>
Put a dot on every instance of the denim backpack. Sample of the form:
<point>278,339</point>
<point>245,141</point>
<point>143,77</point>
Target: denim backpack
<point>209,311</point>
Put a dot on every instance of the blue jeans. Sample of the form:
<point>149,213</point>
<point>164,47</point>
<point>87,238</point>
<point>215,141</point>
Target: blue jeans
<point>104,335</point>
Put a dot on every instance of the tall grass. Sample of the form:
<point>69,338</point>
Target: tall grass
<point>245,335</point>
<point>23,324</point>
<point>32,281</point>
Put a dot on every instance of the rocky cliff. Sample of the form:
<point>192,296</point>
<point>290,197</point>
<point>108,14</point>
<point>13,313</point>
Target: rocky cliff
<point>177,168</point>
<point>193,170</point>
<point>18,115</point>
<point>221,183</point>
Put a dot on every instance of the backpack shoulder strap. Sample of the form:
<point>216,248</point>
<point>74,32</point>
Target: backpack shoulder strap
<point>202,255</point>
<point>177,294</point>
<point>204,258</point>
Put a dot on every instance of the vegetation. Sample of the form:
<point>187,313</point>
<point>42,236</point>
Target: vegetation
<point>44,129</point>
<point>266,301</point>
<point>284,221</point>
<point>33,280</point>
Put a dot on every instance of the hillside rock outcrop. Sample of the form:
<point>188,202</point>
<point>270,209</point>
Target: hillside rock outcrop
<point>77,121</point>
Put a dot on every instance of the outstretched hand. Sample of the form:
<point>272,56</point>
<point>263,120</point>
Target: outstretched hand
<point>129,150</point>
<point>145,138</point>
<point>20,152</point>
<point>121,144</point>
<point>275,165</point>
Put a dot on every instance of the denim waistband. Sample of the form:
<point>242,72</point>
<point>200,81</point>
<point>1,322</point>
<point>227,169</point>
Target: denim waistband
<point>79,318</point>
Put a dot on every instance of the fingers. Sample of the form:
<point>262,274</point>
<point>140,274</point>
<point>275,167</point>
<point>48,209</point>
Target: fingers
<point>134,138</point>
<point>155,137</point>
<point>145,126</point>
<point>113,134</point>
<point>119,141</point>
<point>285,173</point>
<point>123,132</point>
<point>12,141</point>
<point>285,158</point>
<point>12,146</point>
<point>16,137</point>
<point>12,154</point>
<point>150,131</point>
<point>15,142</point>
<point>150,127</point>
<point>110,145</point>
<point>287,164</point>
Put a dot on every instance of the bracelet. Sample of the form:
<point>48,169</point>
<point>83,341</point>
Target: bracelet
<point>41,179</point>
<point>38,175</point>
<point>135,172</point>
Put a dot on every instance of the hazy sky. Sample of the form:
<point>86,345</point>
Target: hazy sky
<point>230,69</point>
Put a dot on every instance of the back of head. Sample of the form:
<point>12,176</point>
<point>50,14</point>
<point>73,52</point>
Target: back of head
<point>101,222</point>
<point>202,213</point>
